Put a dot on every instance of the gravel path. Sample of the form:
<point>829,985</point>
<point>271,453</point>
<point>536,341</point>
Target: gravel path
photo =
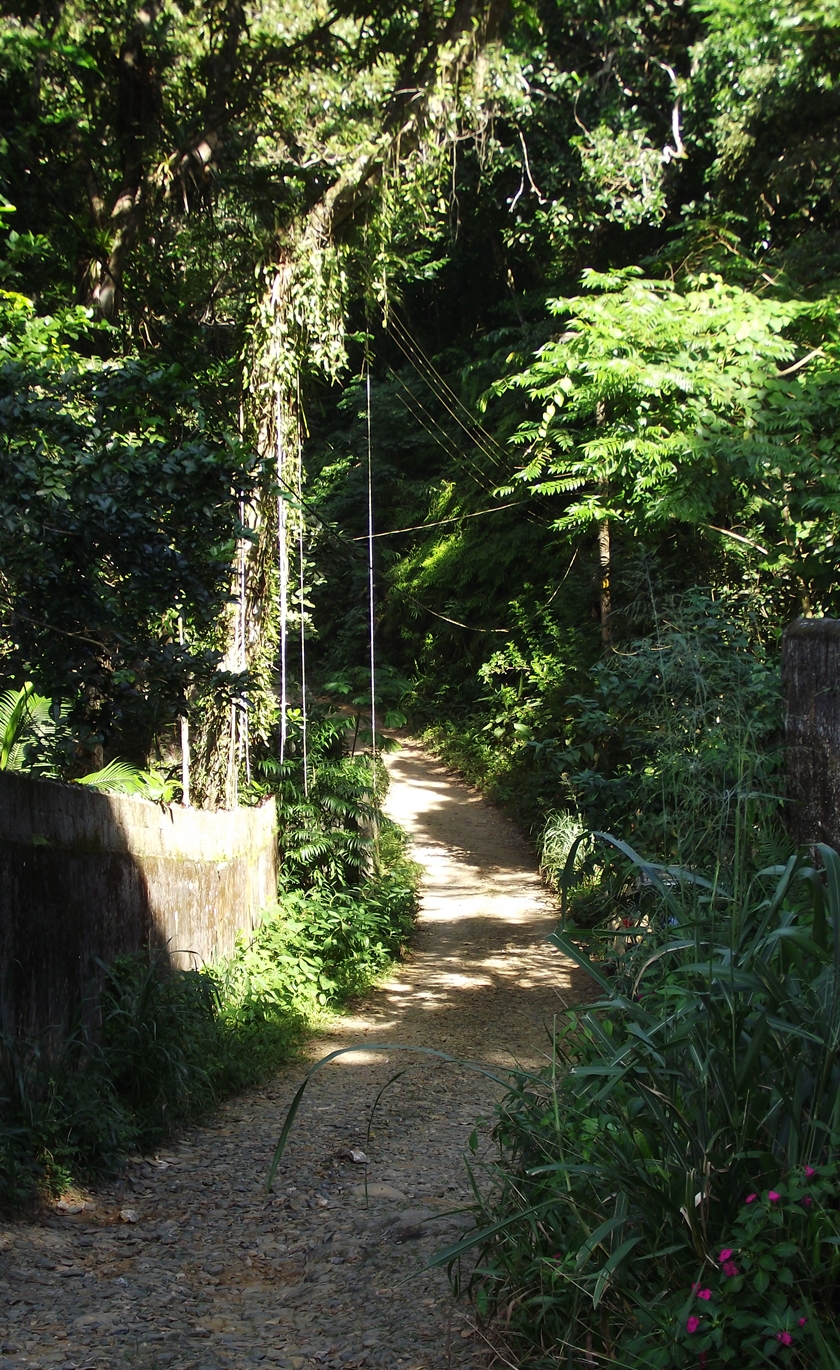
<point>213,1274</point>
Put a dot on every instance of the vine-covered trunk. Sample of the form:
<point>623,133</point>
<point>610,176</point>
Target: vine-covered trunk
<point>300,327</point>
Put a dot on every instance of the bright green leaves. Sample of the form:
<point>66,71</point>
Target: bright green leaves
<point>661,404</point>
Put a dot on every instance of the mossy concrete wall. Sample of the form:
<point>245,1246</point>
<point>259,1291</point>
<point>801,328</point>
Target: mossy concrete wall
<point>85,877</point>
<point>811,680</point>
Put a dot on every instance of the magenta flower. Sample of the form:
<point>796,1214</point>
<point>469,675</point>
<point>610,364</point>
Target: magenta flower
<point>692,1324</point>
<point>784,1337</point>
<point>725,1254</point>
<point>704,1294</point>
<point>750,1199</point>
<point>802,1321</point>
<point>809,1171</point>
<point>807,1201</point>
<point>730,1269</point>
<point>773,1197</point>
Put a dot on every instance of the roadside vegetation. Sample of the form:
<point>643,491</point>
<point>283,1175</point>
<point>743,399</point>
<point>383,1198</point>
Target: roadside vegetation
<point>550,293</point>
<point>159,1046</point>
<point>666,1194</point>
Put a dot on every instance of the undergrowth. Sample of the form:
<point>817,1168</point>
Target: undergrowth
<point>650,743</point>
<point>160,1046</point>
<point>667,1191</point>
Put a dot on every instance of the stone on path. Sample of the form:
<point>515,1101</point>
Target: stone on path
<point>209,1272</point>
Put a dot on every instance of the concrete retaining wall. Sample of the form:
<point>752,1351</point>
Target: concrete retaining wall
<point>86,876</point>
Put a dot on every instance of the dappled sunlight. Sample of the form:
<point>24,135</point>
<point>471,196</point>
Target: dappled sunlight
<point>480,981</point>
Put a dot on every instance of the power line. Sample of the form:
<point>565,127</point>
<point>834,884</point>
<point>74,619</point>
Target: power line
<point>468,427</point>
<point>444,392</point>
<point>439,523</point>
<point>455,454</point>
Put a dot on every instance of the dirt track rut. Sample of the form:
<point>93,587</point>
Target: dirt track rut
<point>215,1276</point>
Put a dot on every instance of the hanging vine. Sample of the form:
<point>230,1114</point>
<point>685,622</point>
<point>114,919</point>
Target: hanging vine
<point>299,330</point>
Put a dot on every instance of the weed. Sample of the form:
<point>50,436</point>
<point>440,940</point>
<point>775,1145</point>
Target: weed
<point>684,1139</point>
<point>173,1042</point>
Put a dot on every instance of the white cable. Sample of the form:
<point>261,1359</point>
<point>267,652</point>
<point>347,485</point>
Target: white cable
<point>283,573</point>
<point>304,740</point>
<point>370,580</point>
<point>244,718</point>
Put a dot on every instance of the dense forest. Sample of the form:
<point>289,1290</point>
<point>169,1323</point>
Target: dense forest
<point>493,342</point>
<point>580,260</point>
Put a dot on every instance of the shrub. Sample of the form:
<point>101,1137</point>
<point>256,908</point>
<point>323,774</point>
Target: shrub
<point>705,1082</point>
<point>173,1041</point>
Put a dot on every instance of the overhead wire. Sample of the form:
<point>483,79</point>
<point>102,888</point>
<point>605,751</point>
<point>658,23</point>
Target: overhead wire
<point>439,387</point>
<point>302,607</point>
<point>447,406</point>
<point>439,523</point>
<point>412,350</point>
<point>454,454</point>
<point>282,576</point>
<point>342,539</point>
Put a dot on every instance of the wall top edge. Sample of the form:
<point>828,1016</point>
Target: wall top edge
<point>52,813</point>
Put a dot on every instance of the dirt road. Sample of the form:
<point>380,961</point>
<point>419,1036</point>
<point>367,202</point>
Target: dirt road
<point>214,1275</point>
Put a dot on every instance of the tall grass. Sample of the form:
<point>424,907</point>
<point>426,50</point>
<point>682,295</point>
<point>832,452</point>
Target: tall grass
<point>666,1193</point>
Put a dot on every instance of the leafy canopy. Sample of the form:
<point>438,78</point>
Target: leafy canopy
<point>692,403</point>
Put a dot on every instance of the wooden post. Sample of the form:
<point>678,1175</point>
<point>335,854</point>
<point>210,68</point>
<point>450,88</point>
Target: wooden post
<point>811,682</point>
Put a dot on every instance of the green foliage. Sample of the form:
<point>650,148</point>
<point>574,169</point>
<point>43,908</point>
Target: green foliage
<point>59,1115</point>
<point>678,745</point>
<point>323,945</point>
<point>115,513</point>
<point>325,835</point>
<point>158,1030</point>
<point>37,738</point>
<point>173,1042</point>
<point>29,732</point>
<point>664,403</point>
<point>669,1186</point>
<point>120,778</point>
<point>673,741</point>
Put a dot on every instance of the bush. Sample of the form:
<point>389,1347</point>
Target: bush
<point>673,740</point>
<point>173,1042</point>
<point>667,1192</point>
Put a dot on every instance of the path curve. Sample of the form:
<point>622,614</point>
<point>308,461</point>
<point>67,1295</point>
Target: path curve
<point>213,1277</point>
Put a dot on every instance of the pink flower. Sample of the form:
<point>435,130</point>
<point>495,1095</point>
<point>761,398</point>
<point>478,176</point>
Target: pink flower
<point>750,1199</point>
<point>807,1201</point>
<point>692,1324</point>
<point>730,1269</point>
<point>809,1171</point>
<point>704,1294</point>
<point>802,1321</point>
<point>702,1357</point>
<point>774,1198</point>
<point>784,1337</point>
<point>725,1254</point>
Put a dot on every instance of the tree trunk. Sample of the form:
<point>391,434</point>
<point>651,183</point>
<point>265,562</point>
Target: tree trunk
<point>604,574</point>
